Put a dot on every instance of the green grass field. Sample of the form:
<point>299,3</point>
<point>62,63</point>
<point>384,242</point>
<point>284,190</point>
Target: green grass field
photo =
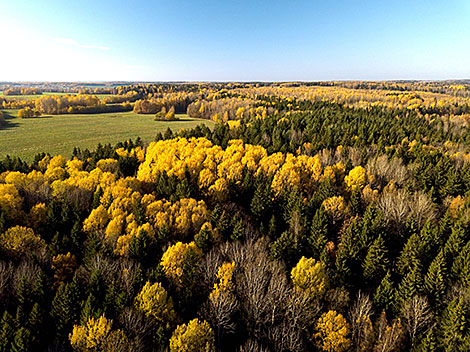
<point>61,133</point>
<point>29,97</point>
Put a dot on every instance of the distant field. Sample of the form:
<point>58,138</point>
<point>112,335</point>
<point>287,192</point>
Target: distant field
<point>61,133</point>
<point>25,97</point>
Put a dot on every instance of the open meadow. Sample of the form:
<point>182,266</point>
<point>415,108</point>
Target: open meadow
<point>35,96</point>
<point>61,133</point>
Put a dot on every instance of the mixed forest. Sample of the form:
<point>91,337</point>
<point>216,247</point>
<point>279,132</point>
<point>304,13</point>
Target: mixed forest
<point>322,216</point>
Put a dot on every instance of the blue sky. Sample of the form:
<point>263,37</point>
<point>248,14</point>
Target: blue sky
<point>234,40</point>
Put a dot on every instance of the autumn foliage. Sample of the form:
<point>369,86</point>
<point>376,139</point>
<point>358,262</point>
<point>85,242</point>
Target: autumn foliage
<point>322,216</point>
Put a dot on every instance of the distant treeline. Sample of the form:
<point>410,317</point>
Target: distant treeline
<point>22,91</point>
<point>66,104</point>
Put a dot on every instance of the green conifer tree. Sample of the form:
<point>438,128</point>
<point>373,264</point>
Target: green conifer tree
<point>39,288</point>
<point>76,237</point>
<point>411,285</point>
<point>460,271</point>
<point>435,279</point>
<point>318,237</point>
<point>454,243</point>
<point>409,256</point>
<point>272,227</point>
<point>285,248</point>
<point>23,294</point>
<point>91,309</point>
<point>142,248</point>
<point>65,306</point>
<point>95,203</point>
<point>21,341</point>
<point>35,324</point>
<point>356,202</point>
<point>428,343</point>
<point>453,326</point>
<point>261,203</point>
<point>7,331</point>
<point>347,258</point>
<point>238,228</point>
<point>376,263</point>
<point>204,239</point>
<point>384,297</point>
<point>3,221</point>
<point>115,300</point>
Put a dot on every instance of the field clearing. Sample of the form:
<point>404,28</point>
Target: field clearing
<point>26,97</point>
<point>29,97</point>
<point>59,134</point>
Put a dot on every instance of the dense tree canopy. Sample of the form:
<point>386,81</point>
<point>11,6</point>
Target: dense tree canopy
<point>313,217</point>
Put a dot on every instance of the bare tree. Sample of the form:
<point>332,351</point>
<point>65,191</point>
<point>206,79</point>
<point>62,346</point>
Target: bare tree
<point>261,286</point>
<point>355,156</point>
<point>207,269</point>
<point>386,170</point>
<point>6,273</point>
<point>394,206</point>
<point>421,207</point>
<point>398,206</point>
<point>389,337</point>
<point>417,316</point>
<point>25,271</point>
<point>337,297</point>
<point>295,136</point>
<point>326,157</point>
<point>301,311</point>
<point>361,325</point>
<point>263,290</point>
<point>138,327</point>
<point>128,271</point>
<point>220,311</point>
<point>296,225</point>
<point>253,346</point>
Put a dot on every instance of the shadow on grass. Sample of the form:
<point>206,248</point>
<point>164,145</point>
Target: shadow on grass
<point>38,117</point>
<point>183,119</point>
<point>168,121</point>
<point>9,124</point>
<point>9,115</point>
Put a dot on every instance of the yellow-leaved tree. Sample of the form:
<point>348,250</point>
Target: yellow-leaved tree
<point>195,336</point>
<point>309,276</point>
<point>92,335</point>
<point>332,332</point>
<point>154,301</point>
<point>225,284</point>
<point>108,165</point>
<point>37,215</point>
<point>335,206</point>
<point>97,221</point>
<point>19,240</point>
<point>64,266</point>
<point>56,168</point>
<point>10,200</point>
<point>174,260</point>
<point>356,178</point>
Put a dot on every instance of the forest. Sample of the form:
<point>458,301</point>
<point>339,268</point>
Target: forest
<point>313,216</point>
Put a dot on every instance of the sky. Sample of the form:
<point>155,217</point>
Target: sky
<point>234,40</point>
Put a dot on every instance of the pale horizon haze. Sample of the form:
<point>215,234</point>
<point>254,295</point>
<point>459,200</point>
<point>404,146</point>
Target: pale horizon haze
<point>51,40</point>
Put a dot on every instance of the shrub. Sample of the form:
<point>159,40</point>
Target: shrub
<point>27,112</point>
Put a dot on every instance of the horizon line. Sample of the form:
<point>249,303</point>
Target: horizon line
<point>239,81</point>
